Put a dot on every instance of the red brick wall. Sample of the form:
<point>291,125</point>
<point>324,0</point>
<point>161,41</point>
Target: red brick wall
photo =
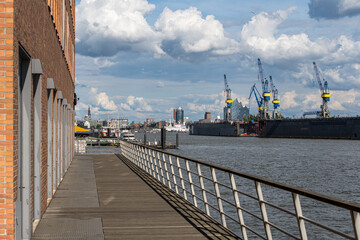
<point>8,121</point>
<point>32,25</point>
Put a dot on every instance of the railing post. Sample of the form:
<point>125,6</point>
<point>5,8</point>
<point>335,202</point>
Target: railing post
<point>137,149</point>
<point>191,183</point>
<point>203,189</point>
<point>132,153</point>
<point>166,170</point>
<point>148,160</point>
<point>218,197</point>
<point>238,207</point>
<point>263,210</point>
<point>161,169</point>
<point>173,175</point>
<point>355,216</point>
<point>181,177</point>
<point>141,163</point>
<point>154,157</point>
<point>145,164</point>
<point>151,163</point>
<point>298,211</point>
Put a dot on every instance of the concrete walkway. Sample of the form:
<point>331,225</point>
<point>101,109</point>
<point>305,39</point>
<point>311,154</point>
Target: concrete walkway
<point>104,197</point>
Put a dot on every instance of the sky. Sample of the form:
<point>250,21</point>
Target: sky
<point>139,59</point>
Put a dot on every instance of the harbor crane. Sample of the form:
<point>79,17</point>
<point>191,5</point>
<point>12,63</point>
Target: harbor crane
<point>264,114</point>
<point>228,101</point>
<point>276,100</point>
<point>325,93</point>
<point>258,98</point>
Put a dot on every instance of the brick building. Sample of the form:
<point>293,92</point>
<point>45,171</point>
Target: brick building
<point>36,108</point>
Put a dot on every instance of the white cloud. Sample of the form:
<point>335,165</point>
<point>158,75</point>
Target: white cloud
<point>341,99</point>
<point>193,32</point>
<point>138,104</point>
<point>288,100</point>
<point>260,35</point>
<point>102,100</point>
<point>106,27</point>
<point>103,62</point>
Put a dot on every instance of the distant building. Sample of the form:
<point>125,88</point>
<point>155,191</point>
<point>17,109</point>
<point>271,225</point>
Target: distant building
<point>174,114</point>
<point>207,115</point>
<point>88,116</point>
<point>149,120</point>
<point>239,111</point>
<point>179,115</point>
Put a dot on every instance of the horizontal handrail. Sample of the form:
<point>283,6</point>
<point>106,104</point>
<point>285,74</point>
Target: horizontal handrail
<point>178,173</point>
<point>310,194</point>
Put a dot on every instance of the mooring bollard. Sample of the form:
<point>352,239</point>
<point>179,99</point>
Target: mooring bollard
<point>163,138</point>
<point>177,140</point>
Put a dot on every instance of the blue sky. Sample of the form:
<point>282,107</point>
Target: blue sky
<point>139,59</point>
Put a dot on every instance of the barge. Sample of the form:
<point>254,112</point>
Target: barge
<point>225,129</point>
<point>315,128</point>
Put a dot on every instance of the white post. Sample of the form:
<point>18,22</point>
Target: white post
<point>355,216</point>
<point>203,189</point>
<point>173,175</point>
<point>191,182</point>
<point>263,211</point>
<point>181,177</point>
<point>218,197</point>
<point>238,207</point>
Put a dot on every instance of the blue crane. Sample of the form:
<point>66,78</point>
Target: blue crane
<point>276,100</point>
<point>264,114</point>
<point>325,93</point>
<point>228,101</point>
<point>258,97</point>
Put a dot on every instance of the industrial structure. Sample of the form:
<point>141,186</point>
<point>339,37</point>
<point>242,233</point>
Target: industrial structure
<point>228,101</point>
<point>325,95</point>
<point>37,100</point>
<point>259,99</point>
<point>264,112</point>
<point>276,100</point>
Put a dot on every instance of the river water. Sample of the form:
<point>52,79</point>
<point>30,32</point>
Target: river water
<point>329,167</point>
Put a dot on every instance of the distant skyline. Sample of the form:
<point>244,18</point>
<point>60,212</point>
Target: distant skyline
<point>139,59</point>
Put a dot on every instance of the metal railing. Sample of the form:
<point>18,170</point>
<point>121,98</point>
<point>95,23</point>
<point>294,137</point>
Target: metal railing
<point>251,206</point>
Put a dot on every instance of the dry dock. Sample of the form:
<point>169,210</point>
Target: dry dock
<point>104,197</point>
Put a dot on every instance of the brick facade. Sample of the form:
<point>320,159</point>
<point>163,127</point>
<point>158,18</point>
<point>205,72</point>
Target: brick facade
<point>41,29</point>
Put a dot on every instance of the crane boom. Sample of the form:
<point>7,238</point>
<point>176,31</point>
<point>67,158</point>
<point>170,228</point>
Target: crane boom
<point>317,74</point>
<point>261,75</point>
<point>257,95</point>
<point>325,93</point>
<point>228,101</point>
<point>264,114</point>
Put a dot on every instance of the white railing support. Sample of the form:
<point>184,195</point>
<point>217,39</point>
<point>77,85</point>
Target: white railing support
<point>166,171</point>
<point>263,211</point>
<point>355,216</point>
<point>191,183</point>
<point>173,175</point>
<point>299,215</point>
<point>203,191</point>
<point>181,178</point>
<point>218,197</point>
<point>238,207</point>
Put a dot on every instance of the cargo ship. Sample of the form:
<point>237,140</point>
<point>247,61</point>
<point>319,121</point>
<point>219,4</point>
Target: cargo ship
<point>315,128</point>
<point>226,129</point>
